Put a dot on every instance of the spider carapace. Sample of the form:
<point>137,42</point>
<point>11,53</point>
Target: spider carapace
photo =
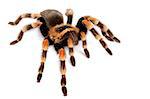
<point>57,33</point>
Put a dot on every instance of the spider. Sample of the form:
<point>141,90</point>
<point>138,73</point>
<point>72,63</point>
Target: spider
<point>56,33</point>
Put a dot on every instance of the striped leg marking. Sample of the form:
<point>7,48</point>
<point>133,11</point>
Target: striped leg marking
<point>84,44</point>
<point>25,28</point>
<point>71,51</point>
<point>62,57</point>
<point>105,31</point>
<point>69,14</point>
<point>96,35</point>
<point>26,15</point>
<point>45,46</point>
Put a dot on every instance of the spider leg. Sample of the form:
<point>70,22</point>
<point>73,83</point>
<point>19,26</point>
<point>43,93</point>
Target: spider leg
<point>105,31</point>
<point>71,51</point>
<point>26,15</point>
<point>84,44</point>
<point>69,14</point>
<point>43,28</point>
<point>62,57</point>
<point>45,46</point>
<point>89,26</point>
<point>24,29</point>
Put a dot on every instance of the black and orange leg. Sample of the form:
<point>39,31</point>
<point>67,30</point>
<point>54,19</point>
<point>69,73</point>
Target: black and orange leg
<point>45,46</point>
<point>71,51</point>
<point>24,29</point>
<point>26,15</point>
<point>105,31</point>
<point>69,14</point>
<point>84,44</point>
<point>62,57</point>
<point>89,26</point>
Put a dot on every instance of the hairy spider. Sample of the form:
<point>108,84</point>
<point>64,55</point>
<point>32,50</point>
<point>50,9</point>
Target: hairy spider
<point>57,33</point>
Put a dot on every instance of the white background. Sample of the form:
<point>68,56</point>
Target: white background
<point>125,75</point>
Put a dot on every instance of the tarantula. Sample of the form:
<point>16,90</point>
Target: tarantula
<point>57,33</point>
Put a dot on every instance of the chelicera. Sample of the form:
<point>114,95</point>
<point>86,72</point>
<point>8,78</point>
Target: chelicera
<point>59,34</point>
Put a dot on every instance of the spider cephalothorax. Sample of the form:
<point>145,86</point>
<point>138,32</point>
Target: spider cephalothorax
<point>57,33</point>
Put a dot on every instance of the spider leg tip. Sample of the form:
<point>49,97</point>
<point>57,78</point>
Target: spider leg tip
<point>13,42</point>
<point>11,23</point>
<point>65,94</point>
<point>38,81</point>
<point>64,90</point>
<point>109,51</point>
<point>72,60</point>
<point>87,53</point>
<point>117,40</point>
<point>39,78</point>
<point>87,56</point>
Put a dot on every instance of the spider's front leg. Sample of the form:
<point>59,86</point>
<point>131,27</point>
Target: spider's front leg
<point>45,46</point>
<point>69,14</point>
<point>105,31</point>
<point>25,29</point>
<point>62,57</point>
<point>89,26</point>
<point>26,15</point>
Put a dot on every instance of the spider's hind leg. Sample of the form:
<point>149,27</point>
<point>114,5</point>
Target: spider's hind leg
<point>26,15</point>
<point>105,31</point>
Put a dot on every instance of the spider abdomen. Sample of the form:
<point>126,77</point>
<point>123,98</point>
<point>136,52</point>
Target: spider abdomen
<point>52,17</point>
